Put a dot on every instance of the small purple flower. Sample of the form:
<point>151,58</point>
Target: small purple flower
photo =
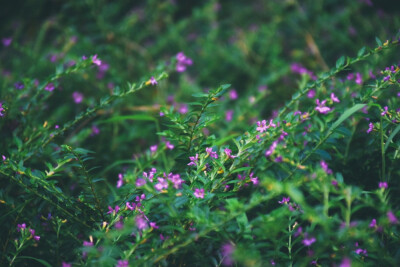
<point>113,211</point>
<point>228,153</point>
<point>87,243</point>
<point>392,218</point>
<point>153,149</point>
<point>6,41</point>
<point>96,60</point>
<point>176,180</point>
<point>373,223</point>
<point>334,98</point>
<point>285,200</point>
<point>233,94</point>
<point>122,263</point>
<point>169,145</point>
<point>311,93</point>
<point>346,262</point>
<point>254,180</point>
<point>21,226</point>
<point>49,87</point>
<point>183,109</point>
<point>385,111</point>
<point>95,130</point>
<point>162,184</point>
<point>1,110</point>
<point>130,207</point>
<point>370,127</point>
<point>19,85</point>
<point>154,225</point>
<point>271,149</point>
<point>120,180</point>
<point>3,157</point>
<point>308,241</point>
<point>324,166</point>
<point>350,76</point>
<point>371,75</point>
<point>383,185</point>
<point>358,79</point>
<point>261,126</point>
<point>141,223</point>
<point>77,96</point>
<point>182,62</point>
<point>153,81</point>
<point>229,115</point>
<point>360,251</point>
<point>211,153</point>
<point>193,160</point>
<point>386,78</point>
<point>227,251</point>
<point>199,193</point>
<point>65,264</point>
<point>321,108</point>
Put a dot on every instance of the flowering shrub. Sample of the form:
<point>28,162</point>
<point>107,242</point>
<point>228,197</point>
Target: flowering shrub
<point>175,134</point>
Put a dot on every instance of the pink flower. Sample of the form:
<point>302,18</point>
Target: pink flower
<point>254,180</point>
<point>308,241</point>
<point>385,111</point>
<point>311,93</point>
<point>77,96</point>
<point>49,87</point>
<point>176,180</point>
<point>383,185</point>
<point>162,184</point>
<point>95,130</point>
<point>373,223</point>
<point>229,115</point>
<point>321,108</point>
<point>182,62</point>
<point>233,94</point>
<point>261,126</point>
<point>199,193</point>
<point>120,180</point>
<point>153,149</point>
<point>153,81</point>
<point>370,127</point>
<point>346,262</point>
<point>65,264</point>
<point>392,218</point>
<point>211,153</point>
<point>285,200</point>
<point>141,223</point>
<point>193,160</point>
<point>122,263</point>
<point>169,145</point>
<point>1,110</point>
<point>324,166</point>
<point>334,98</point>
<point>358,79</point>
<point>154,225</point>
<point>6,41</point>
<point>96,60</point>
<point>228,153</point>
<point>271,149</point>
<point>227,251</point>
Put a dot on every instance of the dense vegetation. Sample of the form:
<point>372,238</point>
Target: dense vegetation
<point>200,133</point>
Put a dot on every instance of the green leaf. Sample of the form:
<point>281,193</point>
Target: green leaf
<point>340,62</point>
<point>241,169</point>
<point>136,117</point>
<point>393,134</point>
<point>346,115</point>
<point>45,263</point>
<point>378,41</point>
<point>361,52</point>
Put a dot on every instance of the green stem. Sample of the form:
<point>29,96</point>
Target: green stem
<point>382,151</point>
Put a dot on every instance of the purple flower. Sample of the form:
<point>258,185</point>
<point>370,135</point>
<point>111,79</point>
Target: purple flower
<point>199,193</point>
<point>162,184</point>
<point>229,115</point>
<point>360,251</point>
<point>371,75</point>
<point>87,244</point>
<point>176,180</point>
<point>285,200</point>
<point>154,225</point>
<point>228,153</point>
<point>120,180</point>
<point>386,78</point>
<point>6,41</point>
<point>346,262</point>
<point>65,264</point>
<point>193,160</point>
<point>1,110</point>
<point>211,153</point>
<point>334,98</point>
<point>21,226</point>
<point>77,96</point>
<point>153,81</point>
<point>49,87</point>
<point>122,263</point>
<point>383,185</point>
<point>385,111</point>
<point>141,223</point>
<point>113,211</point>
<point>271,149</point>
<point>358,79</point>
<point>392,218</point>
<point>140,182</point>
<point>308,241</point>
<point>321,108</point>
<point>373,223</point>
<point>169,145</point>
<point>261,126</point>
<point>227,251</point>
<point>96,60</point>
<point>311,93</point>
<point>233,94</point>
<point>324,166</point>
<point>130,207</point>
<point>370,127</point>
<point>350,76</point>
<point>254,180</point>
<point>19,85</point>
<point>153,149</point>
<point>182,62</point>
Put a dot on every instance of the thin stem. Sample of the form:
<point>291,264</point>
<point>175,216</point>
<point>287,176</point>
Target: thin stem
<point>382,151</point>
